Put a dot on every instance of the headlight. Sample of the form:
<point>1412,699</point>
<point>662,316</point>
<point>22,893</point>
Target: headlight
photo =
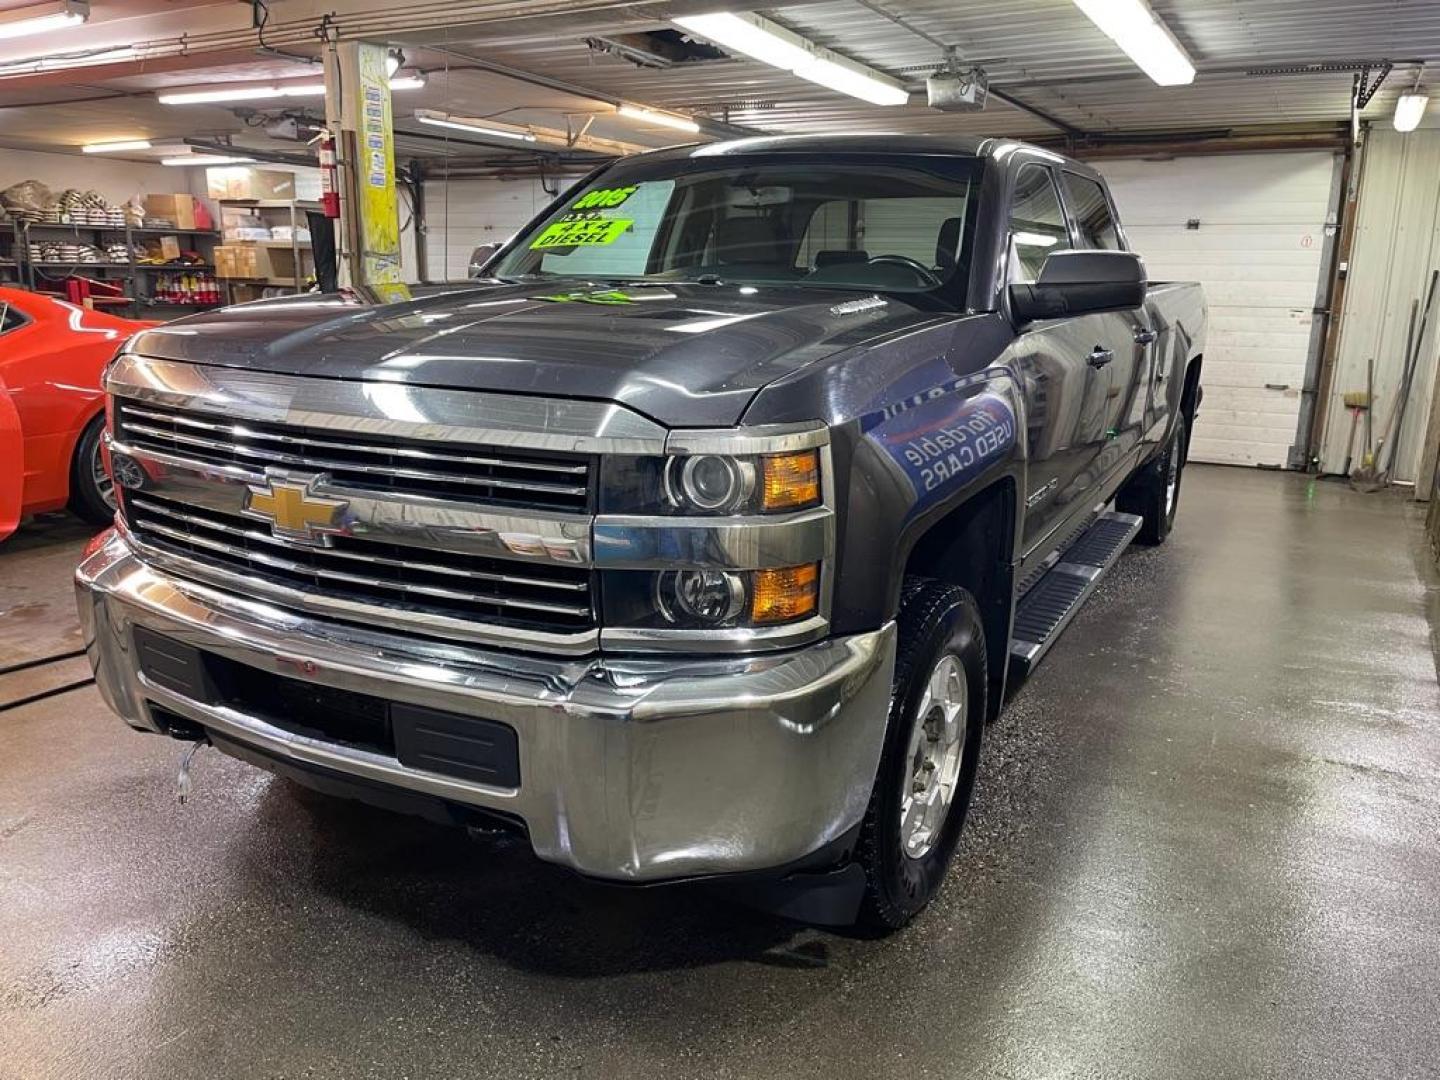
<point>710,599</point>
<point>709,483</point>
<point>706,484</point>
<point>722,542</point>
<point>700,597</point>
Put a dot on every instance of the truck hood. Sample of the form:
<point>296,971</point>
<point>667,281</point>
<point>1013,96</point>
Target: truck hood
<point>685,355</point>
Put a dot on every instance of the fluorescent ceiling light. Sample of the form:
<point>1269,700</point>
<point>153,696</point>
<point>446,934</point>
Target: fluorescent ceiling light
<point>1034,239</point>
<point>115,147</point>
<point>770,43</point>
<point>1410,108</point>
<point>474,127</point>
<point>260,91</point>
<point>42,18</point>
<point>855,80</point>
<point>205,159</point>
<point>751,35</point>
<point>663,119</point>
<point>1144,38</point>
<point>30,65</point>
<point>241,92</point>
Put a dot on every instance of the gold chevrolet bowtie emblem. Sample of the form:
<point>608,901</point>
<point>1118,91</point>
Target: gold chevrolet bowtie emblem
<point>293,512</point>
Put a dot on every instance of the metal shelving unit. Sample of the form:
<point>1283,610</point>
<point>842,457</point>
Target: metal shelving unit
<point>296,209</point>
<point>27,270</point>
<point>11,270</point>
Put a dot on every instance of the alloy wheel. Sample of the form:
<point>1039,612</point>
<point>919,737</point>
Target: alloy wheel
<point>935,751</point>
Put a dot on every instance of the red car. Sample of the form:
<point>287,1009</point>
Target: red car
<point>52,409</point>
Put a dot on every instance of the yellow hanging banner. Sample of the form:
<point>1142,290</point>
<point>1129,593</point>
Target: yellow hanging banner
<point>375,177</point>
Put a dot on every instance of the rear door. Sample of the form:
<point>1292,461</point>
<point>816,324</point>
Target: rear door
<point>1063,364</point>
<point>1127,334</point>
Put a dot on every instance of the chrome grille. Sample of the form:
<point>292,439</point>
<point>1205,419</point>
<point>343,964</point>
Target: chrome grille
<point>530,595</point>
<point>363,461</point>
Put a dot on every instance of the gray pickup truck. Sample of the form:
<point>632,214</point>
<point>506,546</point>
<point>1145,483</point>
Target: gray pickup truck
<point>698,540</point>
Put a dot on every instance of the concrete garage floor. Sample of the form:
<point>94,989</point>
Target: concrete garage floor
<point>1204,845</point>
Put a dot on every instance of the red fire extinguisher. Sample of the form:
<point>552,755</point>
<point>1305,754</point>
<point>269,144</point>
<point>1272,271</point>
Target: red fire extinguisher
<point>329,177</point>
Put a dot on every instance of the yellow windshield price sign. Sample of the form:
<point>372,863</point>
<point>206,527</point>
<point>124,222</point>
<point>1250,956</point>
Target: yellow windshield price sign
<point>585,232</point>
<point>605,198</point>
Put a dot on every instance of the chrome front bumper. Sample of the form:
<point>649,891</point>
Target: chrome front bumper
<point>632,770</point>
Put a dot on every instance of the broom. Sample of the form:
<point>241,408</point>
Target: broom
<point>1367,476</point>
<point>1408,380</point>
<point>1357,401</point>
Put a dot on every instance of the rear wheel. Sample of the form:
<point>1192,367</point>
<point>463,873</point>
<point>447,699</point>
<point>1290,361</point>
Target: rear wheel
<point>1154,492</point>
<point>92,492</point>
<point>932,747</point>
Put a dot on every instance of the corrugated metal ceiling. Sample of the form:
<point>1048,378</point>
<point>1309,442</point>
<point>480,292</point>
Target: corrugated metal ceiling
<point>1045,52</point>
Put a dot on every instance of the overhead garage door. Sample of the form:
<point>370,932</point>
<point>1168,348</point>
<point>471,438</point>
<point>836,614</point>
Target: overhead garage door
<point>1251,228</point>
<point>463,214</point>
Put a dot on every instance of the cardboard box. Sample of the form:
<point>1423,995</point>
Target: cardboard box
<point>243,291</point>
<point>179,210</point>
<point>307,185</point>
<point>169,248</point>
<point>256,261</point>
<point>244,182</point>
<point>235,261</point>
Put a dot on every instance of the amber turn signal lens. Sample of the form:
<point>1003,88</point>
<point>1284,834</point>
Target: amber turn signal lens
<point>791,480</point>
<point>783,595</point>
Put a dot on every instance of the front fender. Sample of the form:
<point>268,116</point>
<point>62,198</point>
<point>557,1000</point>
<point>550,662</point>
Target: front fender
<point>920,423</point>
<point>917,461</point>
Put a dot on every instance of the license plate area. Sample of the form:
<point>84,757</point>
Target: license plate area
<point>434,740</point>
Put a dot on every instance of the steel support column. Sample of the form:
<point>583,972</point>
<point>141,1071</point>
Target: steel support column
<point>357,110</point>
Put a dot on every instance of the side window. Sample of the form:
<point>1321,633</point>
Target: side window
<point>10,318</point>
<point>1037,223</point>
<point>1092,212</point>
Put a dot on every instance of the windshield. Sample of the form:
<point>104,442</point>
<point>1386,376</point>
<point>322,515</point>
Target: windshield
<point>867,224</point>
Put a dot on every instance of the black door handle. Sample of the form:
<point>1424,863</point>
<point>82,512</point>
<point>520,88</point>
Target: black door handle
<point>1145,336</point>
<point>1099,357</point>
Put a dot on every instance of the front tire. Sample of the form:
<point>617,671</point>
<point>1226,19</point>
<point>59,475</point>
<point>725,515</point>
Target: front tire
<point>92,492</point>
<point>932,747</point>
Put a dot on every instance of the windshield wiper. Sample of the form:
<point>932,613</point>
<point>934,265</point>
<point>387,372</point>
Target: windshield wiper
<point>523,279</point>
<point>612,282</point>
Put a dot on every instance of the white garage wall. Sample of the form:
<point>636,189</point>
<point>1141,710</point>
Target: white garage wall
<point>1258,252</point>
<point>118,181</point>
<point>462,214</point>
<point>1396,248</point>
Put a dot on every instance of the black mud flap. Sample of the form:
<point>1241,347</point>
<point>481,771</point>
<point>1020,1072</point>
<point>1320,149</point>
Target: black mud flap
<point>824,888</point>
<point>819,898</point>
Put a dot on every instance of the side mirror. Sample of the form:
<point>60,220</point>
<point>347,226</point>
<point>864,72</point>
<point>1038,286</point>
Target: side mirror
<point>482,255</point>
<point>1080,282</point>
